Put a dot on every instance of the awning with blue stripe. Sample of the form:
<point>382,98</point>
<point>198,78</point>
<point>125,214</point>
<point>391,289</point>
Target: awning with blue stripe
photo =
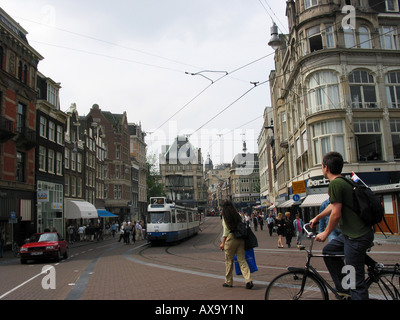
<point>105,214</point>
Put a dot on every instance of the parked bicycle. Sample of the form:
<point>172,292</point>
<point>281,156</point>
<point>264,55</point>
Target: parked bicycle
<point>15,249</point>
<point>307,284</point>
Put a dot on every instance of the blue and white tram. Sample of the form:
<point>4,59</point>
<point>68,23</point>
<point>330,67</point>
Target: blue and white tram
<point>167,222</point>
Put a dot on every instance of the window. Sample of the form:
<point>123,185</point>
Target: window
<point>310,3</point>
<point>368,140</point>
<point>42,158</point>
<point>284,132</point>
<point>330,37</point>
<point>20,174</point>
<point>118,151</point>
<point>52,131</point>
<point>349,38</point>
<point>362,90</point>
<point>323,92</point>
<point>66,185</point>
<point>327,136</point>
<point>361,39</point>
<point>314,38</point>
<point>67,158</point>
<point>52,96</point>
<point>364,37</point>
<point>393,89</point>
<point>43,127</point>
<point>59,163</point>
<point>391,6</point>
<point>21,117</point>
<point>50,161</point>
<point>395,129</point>
<point>73,161</point>
<point>59,135</point>
<point>388,37</point>
<point>73,186</point>
<point>79,162</point>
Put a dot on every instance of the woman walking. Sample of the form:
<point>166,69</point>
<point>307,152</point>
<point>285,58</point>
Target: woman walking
<point>233,246</point>
<point>280,222</point>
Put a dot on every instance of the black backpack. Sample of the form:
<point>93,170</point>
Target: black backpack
<point>367,204</point>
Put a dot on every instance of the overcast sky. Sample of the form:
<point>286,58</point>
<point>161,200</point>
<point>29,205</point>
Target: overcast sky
<point>138,56</point>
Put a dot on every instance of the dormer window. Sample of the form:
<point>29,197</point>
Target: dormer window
<point>52,95</point>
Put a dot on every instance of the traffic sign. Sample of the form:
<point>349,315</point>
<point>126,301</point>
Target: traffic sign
<point>296,197</point>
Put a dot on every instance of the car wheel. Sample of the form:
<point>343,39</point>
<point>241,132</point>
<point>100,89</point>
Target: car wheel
<point>24,261</point>
<point>58,258</point>
<point>65,256</point>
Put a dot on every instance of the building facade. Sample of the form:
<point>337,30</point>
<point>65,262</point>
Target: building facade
<point>181,170</point>
<point>49,162</point>
<point>18,69</point>
<point>336,87</point>
<point>137,151</point>
<point>117,162</point>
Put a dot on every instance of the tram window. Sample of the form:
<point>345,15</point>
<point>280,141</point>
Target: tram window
<point>160,217</point>
<point>173,217</point>
<point>190,216</point>
<point>181,216</point>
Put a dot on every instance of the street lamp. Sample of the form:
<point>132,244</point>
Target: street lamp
<point>274,42</point>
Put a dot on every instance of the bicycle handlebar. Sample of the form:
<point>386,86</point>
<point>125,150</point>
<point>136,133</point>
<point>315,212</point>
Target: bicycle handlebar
<point>309,232</point>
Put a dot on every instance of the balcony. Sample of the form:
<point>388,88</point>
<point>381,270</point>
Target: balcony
<point>26,138</point>
<point>6,129</point>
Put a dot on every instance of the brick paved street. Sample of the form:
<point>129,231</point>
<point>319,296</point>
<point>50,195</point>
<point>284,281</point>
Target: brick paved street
<point>191,270</point>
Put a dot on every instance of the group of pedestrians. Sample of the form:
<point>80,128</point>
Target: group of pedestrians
<point>129,232</point>
<point>286,227</point>
<point>345,232</point>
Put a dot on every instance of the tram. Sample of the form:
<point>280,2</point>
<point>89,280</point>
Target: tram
<point>168,222</point>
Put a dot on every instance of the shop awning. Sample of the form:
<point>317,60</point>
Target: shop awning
<point>79,209</point>
<point>105,214</point>
<point>289,203</point>
<point>314,200</point>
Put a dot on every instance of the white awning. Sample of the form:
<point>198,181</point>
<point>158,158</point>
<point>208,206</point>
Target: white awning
<point>314,200</point>
<point>77,209</point>
<point>286,204</point>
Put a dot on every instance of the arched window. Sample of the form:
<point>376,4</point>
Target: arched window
<point>323,92</point>
<point>362,90</point>
<point>364,37</point>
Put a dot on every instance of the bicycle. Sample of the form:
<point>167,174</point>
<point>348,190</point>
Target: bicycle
<point>16,249</point>
<point>306,283</point>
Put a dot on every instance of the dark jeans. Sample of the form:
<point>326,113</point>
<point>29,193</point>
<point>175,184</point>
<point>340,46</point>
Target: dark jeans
<point>354,251</point>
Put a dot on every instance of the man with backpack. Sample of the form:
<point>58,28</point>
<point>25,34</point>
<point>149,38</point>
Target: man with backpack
<point>357,236</point>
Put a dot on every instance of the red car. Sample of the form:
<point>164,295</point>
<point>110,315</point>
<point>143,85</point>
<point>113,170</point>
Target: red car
<point>43,246</point>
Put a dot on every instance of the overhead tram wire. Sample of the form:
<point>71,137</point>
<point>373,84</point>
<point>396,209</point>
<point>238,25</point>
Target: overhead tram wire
<point>231,104</point>
<point>109,43</point>
<point>211,84</point>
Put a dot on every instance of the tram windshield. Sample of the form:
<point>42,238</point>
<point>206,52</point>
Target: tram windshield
<point>160,217</point>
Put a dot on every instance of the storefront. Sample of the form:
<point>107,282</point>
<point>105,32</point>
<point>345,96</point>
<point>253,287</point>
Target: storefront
<point>50,211</point>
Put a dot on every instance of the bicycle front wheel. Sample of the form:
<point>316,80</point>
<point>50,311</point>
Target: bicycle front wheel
<point>385,286</point>
<point>289,286</point>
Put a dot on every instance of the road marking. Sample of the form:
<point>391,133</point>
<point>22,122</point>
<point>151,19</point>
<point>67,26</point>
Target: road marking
<point>24,283</point>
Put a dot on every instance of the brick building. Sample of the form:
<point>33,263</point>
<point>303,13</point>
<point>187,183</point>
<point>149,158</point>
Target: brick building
<point>18,69</point>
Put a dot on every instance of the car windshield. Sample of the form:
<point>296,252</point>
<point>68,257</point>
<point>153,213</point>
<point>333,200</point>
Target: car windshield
<point>44,237</point>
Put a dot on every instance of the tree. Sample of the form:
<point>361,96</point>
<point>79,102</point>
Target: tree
<point>154,188</point>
